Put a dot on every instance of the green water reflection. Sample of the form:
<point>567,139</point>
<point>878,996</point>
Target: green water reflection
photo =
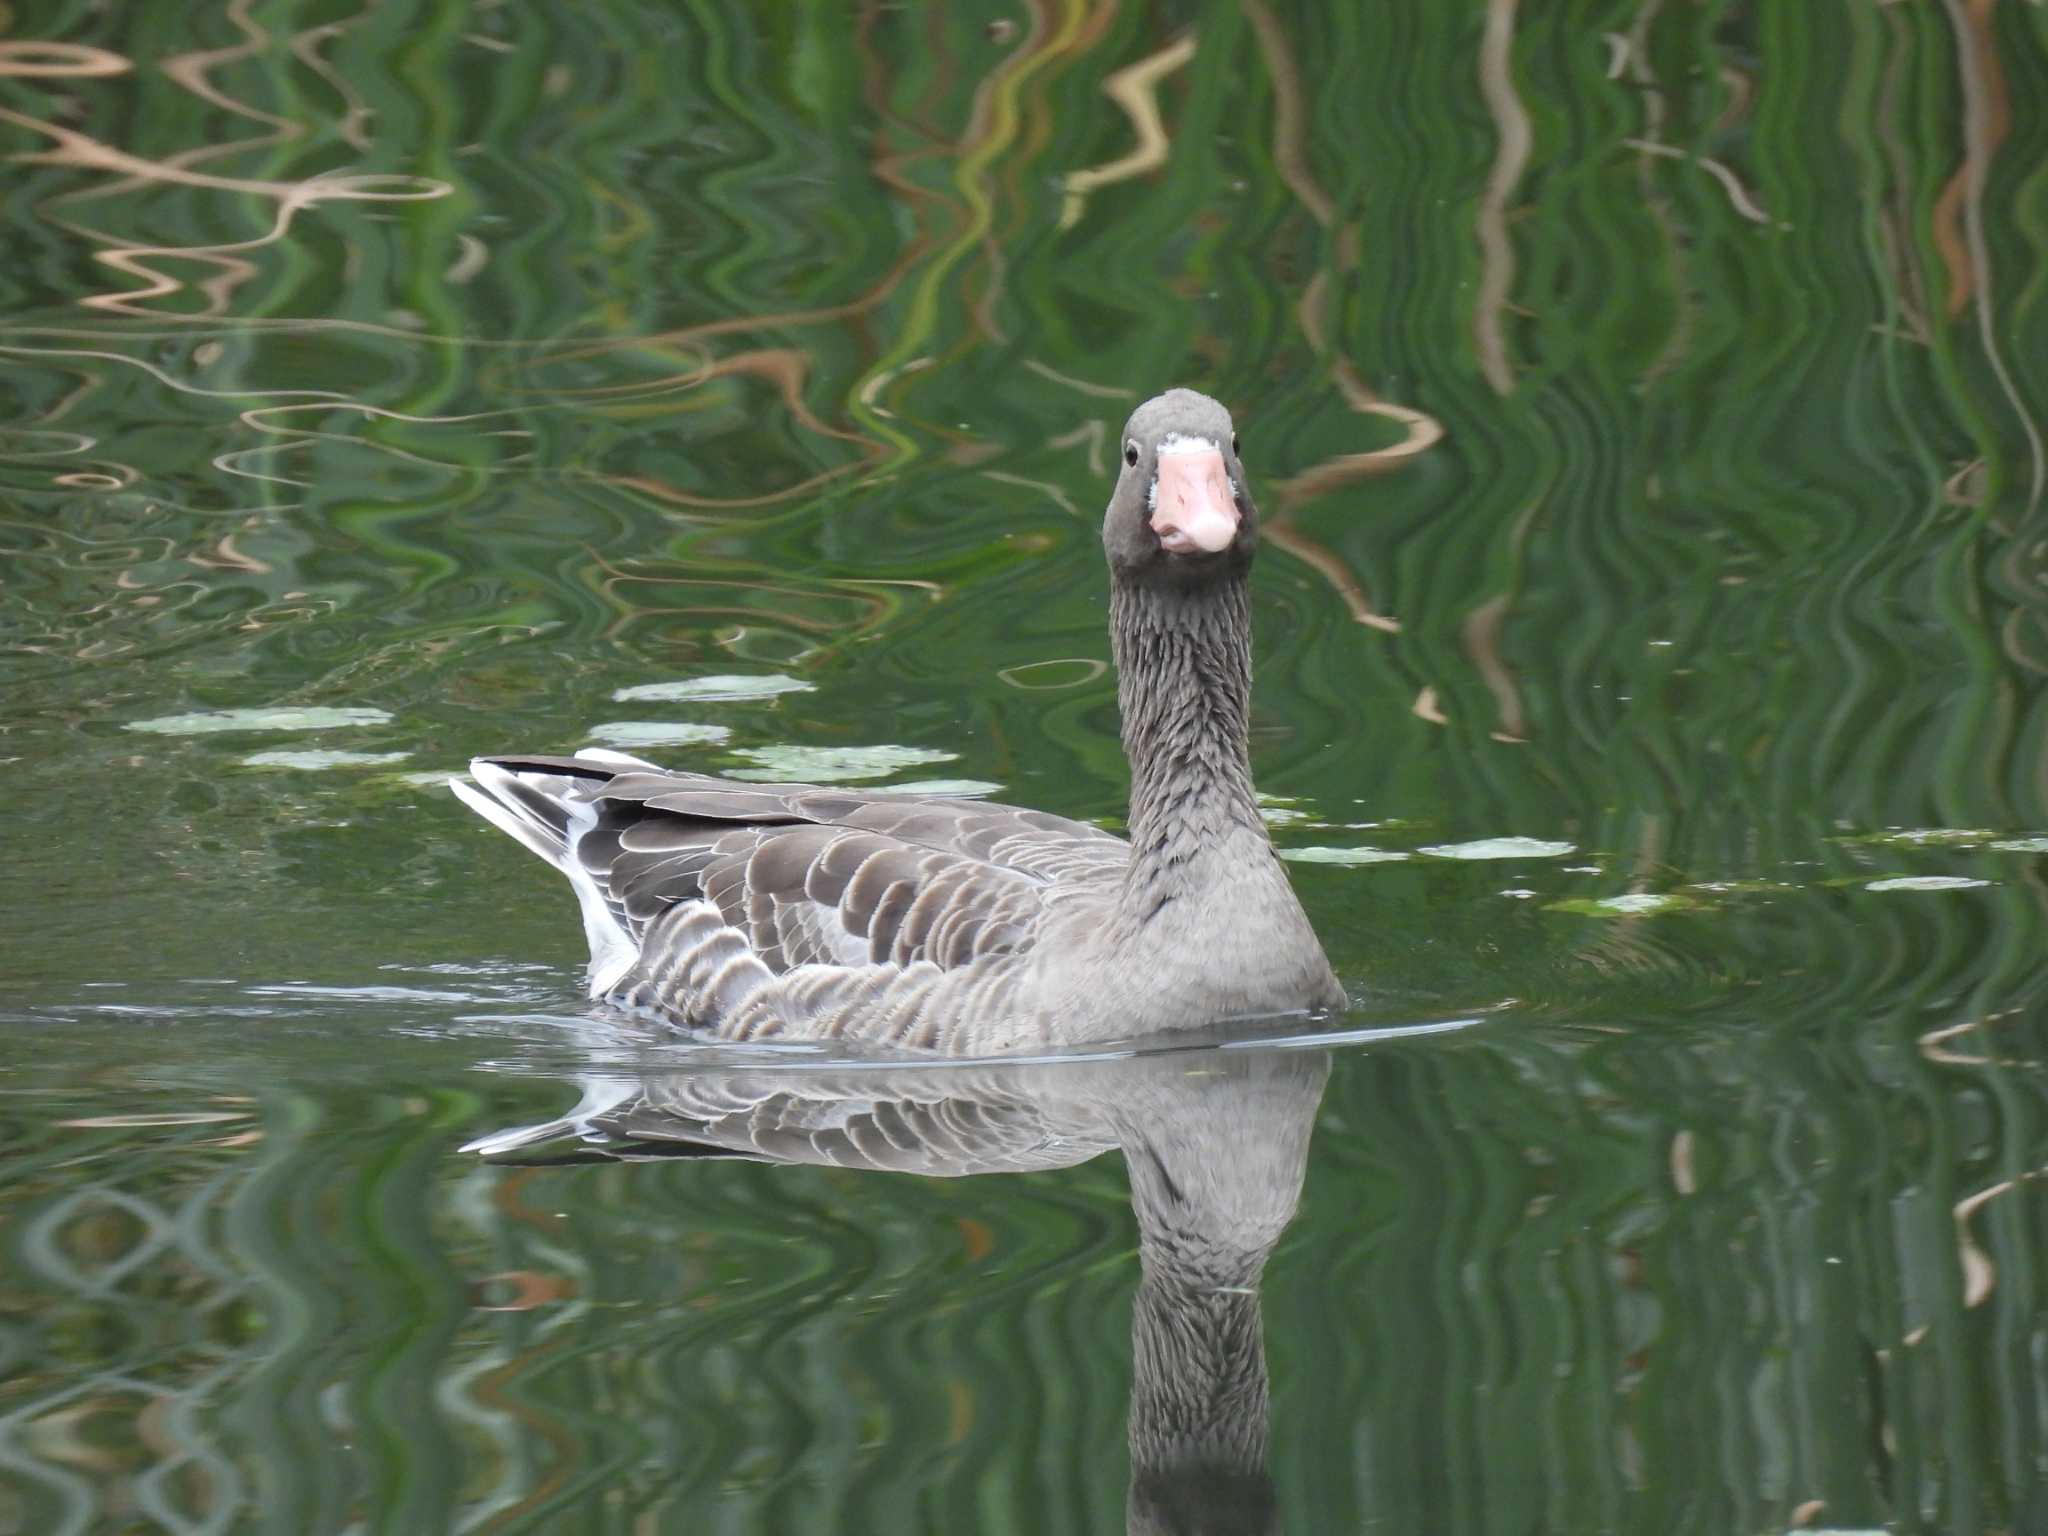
<point>1645,402</point>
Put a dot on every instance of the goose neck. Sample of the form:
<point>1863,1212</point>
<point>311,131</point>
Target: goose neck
<point>1184,673</point>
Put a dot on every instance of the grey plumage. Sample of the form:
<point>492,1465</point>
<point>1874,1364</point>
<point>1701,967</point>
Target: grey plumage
<point>779,911</point>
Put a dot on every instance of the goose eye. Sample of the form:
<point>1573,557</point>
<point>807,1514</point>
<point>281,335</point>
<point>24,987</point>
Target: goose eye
<point>1131,454</point>
<point>1233,447</point>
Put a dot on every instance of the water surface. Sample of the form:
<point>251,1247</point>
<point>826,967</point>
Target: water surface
<point>1645,406</point>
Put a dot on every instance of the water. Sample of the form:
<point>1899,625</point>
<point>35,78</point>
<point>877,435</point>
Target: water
<point>1646,407</point>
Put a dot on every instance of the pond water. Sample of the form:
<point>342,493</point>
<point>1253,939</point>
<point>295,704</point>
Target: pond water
<point>1646,405</point>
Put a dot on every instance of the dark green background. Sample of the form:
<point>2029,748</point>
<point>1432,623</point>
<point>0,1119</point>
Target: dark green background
<point>678,342</point>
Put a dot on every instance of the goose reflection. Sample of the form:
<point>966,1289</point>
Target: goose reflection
<point>1216,1142</point>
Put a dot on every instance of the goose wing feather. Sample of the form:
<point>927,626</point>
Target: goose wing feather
<point>812,875</point>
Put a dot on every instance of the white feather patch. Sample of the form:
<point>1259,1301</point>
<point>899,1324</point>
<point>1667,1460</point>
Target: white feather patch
<point>612,949</point>
<point>611,759</point>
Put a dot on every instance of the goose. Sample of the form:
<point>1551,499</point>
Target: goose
<point>765,912</point>
<point>1216,1144</point>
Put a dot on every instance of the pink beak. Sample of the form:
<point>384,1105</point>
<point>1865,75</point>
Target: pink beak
<point>1193,510</point>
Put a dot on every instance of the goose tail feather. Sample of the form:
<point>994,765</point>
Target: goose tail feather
<point>545,813</point>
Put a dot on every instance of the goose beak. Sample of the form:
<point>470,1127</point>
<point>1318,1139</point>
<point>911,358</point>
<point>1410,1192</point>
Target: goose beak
<point>1194,510</point>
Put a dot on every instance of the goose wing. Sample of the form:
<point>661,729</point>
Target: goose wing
<point>803,873</point>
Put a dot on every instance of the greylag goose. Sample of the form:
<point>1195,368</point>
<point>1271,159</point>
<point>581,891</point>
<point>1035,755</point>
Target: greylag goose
<point>1216,1143</point>
<point>794,911</point>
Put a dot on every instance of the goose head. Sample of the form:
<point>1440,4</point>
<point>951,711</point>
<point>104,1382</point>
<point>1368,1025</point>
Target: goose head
<point>1180,514</point>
